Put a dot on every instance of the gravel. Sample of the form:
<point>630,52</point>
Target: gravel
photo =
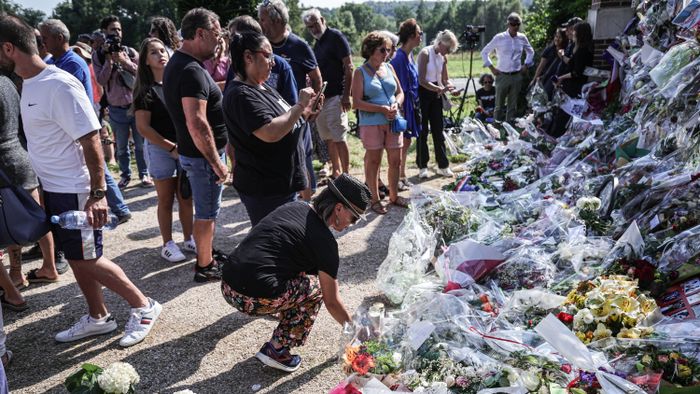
<point>199,342</point>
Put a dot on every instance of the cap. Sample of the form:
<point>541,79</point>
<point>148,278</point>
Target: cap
<point>572,21</point>
<point>351,192</point>
<point>82,49</point>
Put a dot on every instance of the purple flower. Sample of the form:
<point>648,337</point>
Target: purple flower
<point>588,378</point>
<point>462,382</point>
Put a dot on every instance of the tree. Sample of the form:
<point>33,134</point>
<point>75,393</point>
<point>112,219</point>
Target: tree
<point>344,21</point>
<point>422,13</point>
<point>30,15</point>
<point>363,16</point>
<point>226,9</point>
<point>402,13</point>
<point>295,21</point>
<point>544,16</point>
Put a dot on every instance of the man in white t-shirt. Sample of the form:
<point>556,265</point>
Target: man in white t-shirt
<point>65,151</point>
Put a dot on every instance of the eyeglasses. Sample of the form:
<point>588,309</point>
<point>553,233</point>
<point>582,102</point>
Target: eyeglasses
<point>355,217</point>
<point>384,50</point>
<point>267,55</point>
<point>420,33</point>
<point>217,34</point>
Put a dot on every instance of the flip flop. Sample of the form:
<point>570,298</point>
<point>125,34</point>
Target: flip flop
<point>13,307</point>
<point>22,285</point>
<point>379,208</point>
<point>32,277</point>
<point>401,202</point>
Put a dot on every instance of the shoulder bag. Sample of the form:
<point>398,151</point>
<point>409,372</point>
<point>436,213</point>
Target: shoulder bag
<point>22,220</point>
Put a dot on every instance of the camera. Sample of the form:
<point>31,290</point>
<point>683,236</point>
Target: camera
<point>472,35</point>
<point>114,43</point>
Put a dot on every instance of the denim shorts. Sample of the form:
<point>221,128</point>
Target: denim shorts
<point>160,164</point>
<point>206,193</point>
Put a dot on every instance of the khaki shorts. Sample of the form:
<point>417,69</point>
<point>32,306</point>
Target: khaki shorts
<point>332,122</point>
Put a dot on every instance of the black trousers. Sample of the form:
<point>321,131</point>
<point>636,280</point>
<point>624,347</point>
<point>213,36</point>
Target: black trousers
<point>433,123</point>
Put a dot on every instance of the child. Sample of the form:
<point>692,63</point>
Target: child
<point>486,99</point>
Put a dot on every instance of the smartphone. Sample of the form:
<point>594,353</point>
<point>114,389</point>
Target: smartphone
<point>317,103</point>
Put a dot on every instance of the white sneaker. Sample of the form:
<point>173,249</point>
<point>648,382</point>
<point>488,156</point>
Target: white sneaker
<point>423,173</point>
<point>445,172</point>
<point>87,327</point>
<point>190,246</point>
<point>140,323</point>
<point>172,253</point>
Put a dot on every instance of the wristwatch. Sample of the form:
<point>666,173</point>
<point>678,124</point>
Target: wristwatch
<point>97,194</point>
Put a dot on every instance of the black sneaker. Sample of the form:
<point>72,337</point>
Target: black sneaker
<point>33,253</point>
<point>278,359</point>
<point>219,256</point>
<point>62,265</point>
<point>121,219</point>
<point>211,272</point>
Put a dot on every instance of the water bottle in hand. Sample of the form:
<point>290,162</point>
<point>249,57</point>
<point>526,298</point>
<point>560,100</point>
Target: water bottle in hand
<point>77,220</point>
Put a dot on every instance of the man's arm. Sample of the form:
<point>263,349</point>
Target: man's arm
<point>347,83</point>
<point>316,79</point>
<point>196,119</point>
<point>529,52</point>
<point>103,71</point>
<point>125,60</point>
<point>486,52</point>
<point>96,210</point>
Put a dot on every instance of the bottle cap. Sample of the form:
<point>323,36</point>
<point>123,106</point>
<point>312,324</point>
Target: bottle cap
<point>55,219</point>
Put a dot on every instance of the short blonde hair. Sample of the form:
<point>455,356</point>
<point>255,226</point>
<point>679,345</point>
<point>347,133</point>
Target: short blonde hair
<point>448,39</point>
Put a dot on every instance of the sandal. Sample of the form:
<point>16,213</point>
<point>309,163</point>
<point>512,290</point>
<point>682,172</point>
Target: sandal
<point>379,208</point>
<point>13,307</point>
<point>403,185</point>
<point>32,277</point>
<point>21,285</point>
<point>401,202</point>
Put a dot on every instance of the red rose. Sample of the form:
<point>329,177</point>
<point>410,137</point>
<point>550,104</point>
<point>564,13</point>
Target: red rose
<point>565,318</point>
<point>566,368</point>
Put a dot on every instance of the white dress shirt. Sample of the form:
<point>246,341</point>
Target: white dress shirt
<point>509,51</point>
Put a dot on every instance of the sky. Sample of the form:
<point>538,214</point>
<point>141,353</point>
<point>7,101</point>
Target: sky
<point>48,5</point>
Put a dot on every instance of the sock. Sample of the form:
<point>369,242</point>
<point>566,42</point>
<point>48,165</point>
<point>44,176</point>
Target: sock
<point>100,320</point>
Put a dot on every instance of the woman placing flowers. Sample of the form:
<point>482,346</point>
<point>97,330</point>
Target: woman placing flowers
<point>288,264</point>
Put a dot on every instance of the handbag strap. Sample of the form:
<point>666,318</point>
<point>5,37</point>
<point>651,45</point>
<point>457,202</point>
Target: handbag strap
<point>380,80</point>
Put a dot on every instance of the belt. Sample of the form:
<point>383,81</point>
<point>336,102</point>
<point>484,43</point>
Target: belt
<point>509,73</point>
<point>121,106</point>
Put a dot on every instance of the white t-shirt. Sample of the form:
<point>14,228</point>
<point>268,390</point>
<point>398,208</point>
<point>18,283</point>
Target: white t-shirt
<point>56,112</point>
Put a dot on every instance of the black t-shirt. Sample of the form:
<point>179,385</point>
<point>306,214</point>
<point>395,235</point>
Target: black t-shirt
<point>549,53</point>
<point>488,99</point>
<point>330,50</point>
<point>564,67</point>
<point>186,77</point>
<point>160,119</point>
<point>299,55</point>
<point>270,168</point>
<point>291,240</point>
<point>581,59</point>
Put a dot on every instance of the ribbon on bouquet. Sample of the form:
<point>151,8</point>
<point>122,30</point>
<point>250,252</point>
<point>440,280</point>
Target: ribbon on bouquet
<point>486,336</point>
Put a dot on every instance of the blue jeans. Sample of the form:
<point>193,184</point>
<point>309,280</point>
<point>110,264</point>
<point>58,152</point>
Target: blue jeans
<point>206,193</point>
<point>115,200</point>
<point>260,206</point>
<point>121,122</point>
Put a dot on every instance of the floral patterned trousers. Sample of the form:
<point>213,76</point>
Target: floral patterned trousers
<point>297,308</point>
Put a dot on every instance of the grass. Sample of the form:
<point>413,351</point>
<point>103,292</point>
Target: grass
<point>457,65</point>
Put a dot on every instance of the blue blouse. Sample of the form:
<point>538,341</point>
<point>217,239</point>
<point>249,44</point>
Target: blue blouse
<point>407,71</point>
<point>376,91</point>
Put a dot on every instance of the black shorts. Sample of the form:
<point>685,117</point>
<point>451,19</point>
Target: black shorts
<point>75,244</point>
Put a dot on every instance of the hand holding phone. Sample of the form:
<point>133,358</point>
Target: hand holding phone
<point>317,101</point>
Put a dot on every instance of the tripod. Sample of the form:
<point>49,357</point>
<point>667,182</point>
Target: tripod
<point>471,46</point>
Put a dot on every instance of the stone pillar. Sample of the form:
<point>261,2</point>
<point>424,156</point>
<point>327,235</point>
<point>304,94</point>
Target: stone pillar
<point>607,18</point>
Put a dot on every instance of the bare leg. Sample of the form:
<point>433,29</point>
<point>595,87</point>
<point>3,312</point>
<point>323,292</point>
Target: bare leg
<point>204,238</point>
<point>394,158</point>
<point>91,275</point>
<point>343,154</point>
<point>46,244</point>
<point>165,190</point>
<point>15,254</point>
<point>185,211</point>
<point>336,167</point>
<point>404,157</point>
<point>12,295</point>
<point>373,159</point>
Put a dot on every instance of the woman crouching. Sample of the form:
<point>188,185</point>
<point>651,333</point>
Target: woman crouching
<point>288,264</point>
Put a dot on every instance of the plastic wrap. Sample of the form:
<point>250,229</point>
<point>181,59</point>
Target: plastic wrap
<point>410,251</point>
<point>673,61</point>
<point>528,268</point>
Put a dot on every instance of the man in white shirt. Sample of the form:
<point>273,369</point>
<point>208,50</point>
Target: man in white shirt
<point>511,70</point>
<point>66,153</point>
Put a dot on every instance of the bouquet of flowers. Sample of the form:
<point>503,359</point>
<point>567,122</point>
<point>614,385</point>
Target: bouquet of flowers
<point>588,211</point>
<point>608,307</point>
<point>677,368</point>
<point>118,378</point>
<point>370,357</point>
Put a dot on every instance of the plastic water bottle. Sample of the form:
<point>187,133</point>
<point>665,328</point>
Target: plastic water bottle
<point>77,220</point>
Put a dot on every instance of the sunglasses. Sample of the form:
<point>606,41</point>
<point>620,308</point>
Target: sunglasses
<point>514,23</point>
<point>355,217</point>
<point>384,50</point>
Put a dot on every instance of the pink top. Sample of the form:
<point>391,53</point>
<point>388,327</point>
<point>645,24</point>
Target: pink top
<point>218,69</point>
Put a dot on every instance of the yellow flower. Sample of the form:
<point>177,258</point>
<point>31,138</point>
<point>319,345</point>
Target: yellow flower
<point>683,370</point>
<point>646,359</point>
<point>601,332</point>
<point>625,304</point>
<point>629,321</point>
<point>631,333</point>
<point>674,356</point>
<point>581,336</point>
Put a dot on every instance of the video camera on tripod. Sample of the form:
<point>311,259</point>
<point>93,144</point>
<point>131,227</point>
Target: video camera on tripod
<point>472,36</point>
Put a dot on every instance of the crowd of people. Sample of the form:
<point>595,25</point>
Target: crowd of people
<point>246,104</point>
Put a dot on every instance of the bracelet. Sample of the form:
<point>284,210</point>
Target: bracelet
<point>173,148</point>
